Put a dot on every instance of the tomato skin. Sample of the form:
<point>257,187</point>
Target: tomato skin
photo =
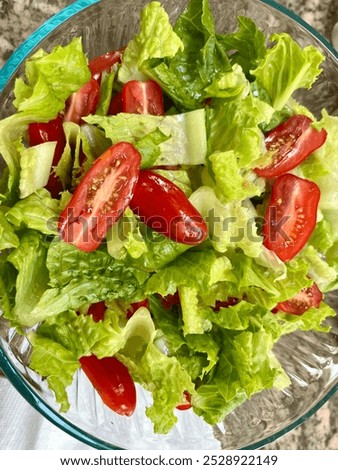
<point>291,215</point>
<point>135,306</point>
<point>112,381</point>
<point>115,106</point>
<point>168,301</point>
<point>142,98</point>
<point>303,301</point>
<point>83,102</point>
<point>165,208</point>
<point>101,197</point>
<point>291,143</point>
<point>97,311</point>
<point>51,131</point>
<point>187,405</point>
<point>104,63</point>
<point>109,376</point>
<point>230,302</point>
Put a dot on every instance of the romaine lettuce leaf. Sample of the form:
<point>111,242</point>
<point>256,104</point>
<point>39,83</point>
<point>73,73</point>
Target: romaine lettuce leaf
<point>51,79</point>
<point>156,40</point>
<point>198,270</point>
<point>247,45</point>
<point>162,140</point>
<point>8,275</point>
<point>38,211</point>
<point>29,258</point>
<point>55,363</point>
<point>76,278</point>
<point>8,238</point>
<point>300,69</point>
<point>36,164</point>
<point>230,225</point>
<point>234,125</point>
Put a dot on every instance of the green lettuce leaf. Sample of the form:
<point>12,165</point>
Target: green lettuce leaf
<point>198,270</point>
<point>247,44</point>
<point>230,225</point>
<point>300,69</point>
<point>75,278</point>
<point>36,164</point>
<point>8,238</point>
<point>38,211</point>
<point>55,363</point>
<point>234,125</point>
<point>8,275</point>
<point>29,259</point>
<point>50,79</point>
<point>322,167</point>
<point>162,140</point>
<point>156,40</point>
<point>232,184</point>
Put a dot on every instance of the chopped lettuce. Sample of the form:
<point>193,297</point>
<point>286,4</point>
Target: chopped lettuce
<point>209,331</point>
<point>38,211</point>
<point>50,79</point>
<point>29,259</point>
<point>156,40</point>
<point>8,238</point>
<point>36,163</point>
<point>162,140</point>
<point>300,69</point>
<point>247,44</point>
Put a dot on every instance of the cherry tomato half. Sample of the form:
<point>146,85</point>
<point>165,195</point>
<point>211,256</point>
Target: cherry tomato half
<point>83,102</point>
<point>291,143</point>
<point>115,106</point>
<point>51,131</point>
<point>142,98</point>
<point>97,310</point>
<point>186,405</point>
<point>168,301</point>
<point>101,197</point>
<point>109,376</point>
<point>112,381</point>
<point>290,216</point>
<point>164,207</point>
<point>104,63</point>
<point>301,302</point>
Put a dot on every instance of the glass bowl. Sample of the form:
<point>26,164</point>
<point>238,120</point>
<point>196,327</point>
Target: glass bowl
<point>310,359</point>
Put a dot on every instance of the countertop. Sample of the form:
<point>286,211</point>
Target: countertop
<point>18,19</point>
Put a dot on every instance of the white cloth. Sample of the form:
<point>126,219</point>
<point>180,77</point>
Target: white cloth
<point>23,428</point>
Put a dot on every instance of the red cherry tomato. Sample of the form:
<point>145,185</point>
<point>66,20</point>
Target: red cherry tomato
<point>109,376</point>
<point>115,106</point>
<point>135,306</point>
<point>301,302</point>
<point>170,300</point>
<point>231,301</point>
<point>290,144</point>
<point>142,98</point>
<point>165,208</point>
<point>97,311</point>
<point>290,216</point>
<point>104,63</point>
<point>51,131</point>
<point>186,405</point>
<point>112,381</point>
<point>83,102</point>
<point>101,197</point>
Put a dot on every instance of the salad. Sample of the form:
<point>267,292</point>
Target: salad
<point>168,213</point>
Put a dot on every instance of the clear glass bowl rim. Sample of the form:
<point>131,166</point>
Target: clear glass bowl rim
<point>9,68</point>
